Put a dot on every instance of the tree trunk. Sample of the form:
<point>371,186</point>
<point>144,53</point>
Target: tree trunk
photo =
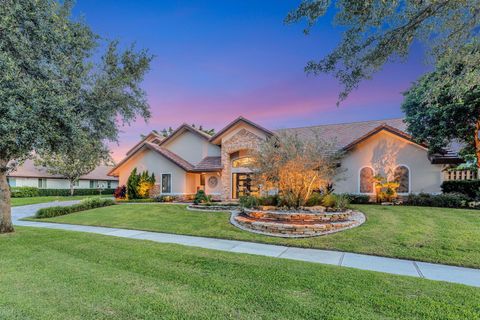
<point>5,210</point>
<point>477,142</point>
<point>72,189</point>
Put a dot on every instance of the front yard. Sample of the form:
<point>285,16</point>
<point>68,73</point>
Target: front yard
<point>52,274</point>
<point>439,235</point>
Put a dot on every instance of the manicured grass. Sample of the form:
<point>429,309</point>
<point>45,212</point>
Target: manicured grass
<point>34,200</point>
<point>53,274</point>
<point>449,236</point>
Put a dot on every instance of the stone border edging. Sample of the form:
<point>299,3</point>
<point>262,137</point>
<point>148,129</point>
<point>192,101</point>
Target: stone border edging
<point>360,217</point>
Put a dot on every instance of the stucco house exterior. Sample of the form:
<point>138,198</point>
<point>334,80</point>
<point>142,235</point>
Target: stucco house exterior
<point>29,175</point>
<point>189,160</point>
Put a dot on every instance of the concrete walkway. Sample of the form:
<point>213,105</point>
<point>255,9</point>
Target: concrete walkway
<point>467,276</point>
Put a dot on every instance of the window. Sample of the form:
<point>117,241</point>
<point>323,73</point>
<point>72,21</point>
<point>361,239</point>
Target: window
<point>12,182</point>
<point>366,180</point>
<point>202,180</point>
<point>76,183</point>
<point>93,184</point>
<point>402,176</point>
<point>42,183</point>
<point>109,184</point>
<point>242,162</point>
<point>166,183</point>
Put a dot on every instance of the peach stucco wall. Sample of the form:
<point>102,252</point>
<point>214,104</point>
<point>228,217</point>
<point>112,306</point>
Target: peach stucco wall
<point>156,163</point>
<point>383,152</point>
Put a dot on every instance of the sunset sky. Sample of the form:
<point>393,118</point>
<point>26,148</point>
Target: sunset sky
<point>216,60</point>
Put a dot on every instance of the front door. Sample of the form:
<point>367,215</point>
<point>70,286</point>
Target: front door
<point>243,186</point>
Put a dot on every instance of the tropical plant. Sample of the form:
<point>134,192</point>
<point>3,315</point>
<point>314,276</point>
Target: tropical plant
<point>294,166</point>
<point>53,89</point>
<point>385,190</point>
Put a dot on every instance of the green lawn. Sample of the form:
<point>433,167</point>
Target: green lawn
<point>53,274</point>
<point>450,236</point>
<point>34,200</point>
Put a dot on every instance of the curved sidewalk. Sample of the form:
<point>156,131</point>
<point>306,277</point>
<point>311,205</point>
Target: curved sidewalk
<point>467,276</point>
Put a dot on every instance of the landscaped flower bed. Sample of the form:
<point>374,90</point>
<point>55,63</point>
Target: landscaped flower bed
<point>297,223</point>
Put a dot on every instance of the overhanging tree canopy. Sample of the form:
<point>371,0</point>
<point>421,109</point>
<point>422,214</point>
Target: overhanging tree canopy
<point>444,105</point>
<point>51,90</point>
<point>379,31</point>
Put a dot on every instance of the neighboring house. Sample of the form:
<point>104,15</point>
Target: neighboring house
<point>29,175</point>
<point>189,160</point>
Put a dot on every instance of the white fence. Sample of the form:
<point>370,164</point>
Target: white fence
<point>461,175</point>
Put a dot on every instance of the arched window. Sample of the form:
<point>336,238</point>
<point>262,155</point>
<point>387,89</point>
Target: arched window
<point>402,176</point>
<point>366,180</point>
<point>242,162</point>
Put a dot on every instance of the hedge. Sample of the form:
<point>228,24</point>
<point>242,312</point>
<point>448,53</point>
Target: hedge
<point>470,188</point>
<point>86,204</point>
<point>24,192</point>
<point>447,200</point>
<point>357,198</point>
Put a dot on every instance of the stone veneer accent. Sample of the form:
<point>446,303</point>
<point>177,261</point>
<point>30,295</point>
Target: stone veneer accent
<point>242,140</point>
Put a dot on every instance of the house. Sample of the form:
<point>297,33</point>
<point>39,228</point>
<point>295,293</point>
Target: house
<point>29,175</point>
<point>189,160</point>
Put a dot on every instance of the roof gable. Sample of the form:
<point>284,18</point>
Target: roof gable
<point>182,163</point>
<point>181,130</point>
<point>387,128</point>
<point>217,137</point>
<point>152,137</point>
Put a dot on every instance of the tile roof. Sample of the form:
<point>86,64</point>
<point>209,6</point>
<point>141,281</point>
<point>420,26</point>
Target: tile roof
<point>184,164</point>
<point>234,122</point>
<point>343,134</point>
<point>29,170</point>
<point>209,164</point>
<point>187,127</point>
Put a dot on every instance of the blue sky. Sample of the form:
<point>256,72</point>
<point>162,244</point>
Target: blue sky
<point>216,60</point>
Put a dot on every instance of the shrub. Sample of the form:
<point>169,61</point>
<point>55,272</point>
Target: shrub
<point>446,200</point>
<point>24,192</point>
<point>342,202</point>
<point>316,199</point>
<point>139,185</point>
<point>470,188</point>
<point>132,185</point>
<point>135,200</point>
<point>201,197</point>
<point>357,198</point>
<point>86,204</point>
<point>164,198</point>
<point>120,192</point>
<point>329,200</point>
<point>248,202</point>
<point>271,200</point>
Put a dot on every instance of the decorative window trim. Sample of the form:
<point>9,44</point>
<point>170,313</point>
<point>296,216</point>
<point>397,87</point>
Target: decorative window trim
<point>360,180</point>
